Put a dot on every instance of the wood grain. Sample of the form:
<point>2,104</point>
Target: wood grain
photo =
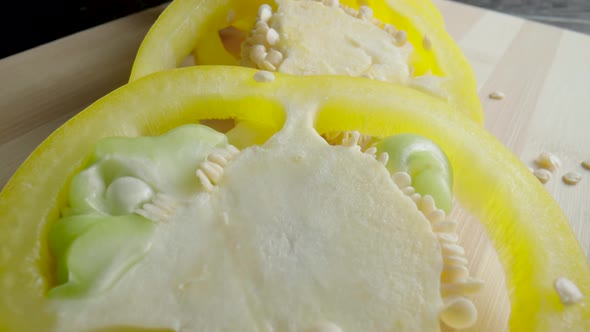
<point>542,70</point>
<point>569,14</point>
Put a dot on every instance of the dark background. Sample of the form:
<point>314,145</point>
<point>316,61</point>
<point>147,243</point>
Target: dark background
<point>26,24</point>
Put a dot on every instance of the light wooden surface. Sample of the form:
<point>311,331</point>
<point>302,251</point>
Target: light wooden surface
<point>544,72</point>
<point>568,14</point>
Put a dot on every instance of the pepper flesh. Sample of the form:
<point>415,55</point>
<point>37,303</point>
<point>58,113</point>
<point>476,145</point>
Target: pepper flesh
<point>527,227</point>
<point>188,25</point>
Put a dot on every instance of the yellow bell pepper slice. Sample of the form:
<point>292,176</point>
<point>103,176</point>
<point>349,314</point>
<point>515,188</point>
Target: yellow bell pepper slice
<point>420,18</point>
<point>194,24</point>
<point>527,227</point>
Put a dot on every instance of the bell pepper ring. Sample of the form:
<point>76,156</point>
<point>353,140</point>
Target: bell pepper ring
<point>527,227</point>
<point>435,61</point>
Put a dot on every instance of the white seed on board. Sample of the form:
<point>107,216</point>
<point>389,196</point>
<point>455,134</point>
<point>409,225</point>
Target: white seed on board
<point>571,178</point>
<point>497,95</point>
<point>402,179</point>
<point>569,293</point>
<point>263,76</point>
<point>548,161</point>
<point>542,174</point>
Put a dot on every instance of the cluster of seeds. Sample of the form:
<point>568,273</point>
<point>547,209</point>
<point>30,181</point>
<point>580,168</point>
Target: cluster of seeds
<point>359,142</point>
<point>160,209</point>
<point>456,285</point>
<point>345,137</point>
<point>210,171</point>
<point>366,13</point>
<point>549,163</point>
<point>261,48</point>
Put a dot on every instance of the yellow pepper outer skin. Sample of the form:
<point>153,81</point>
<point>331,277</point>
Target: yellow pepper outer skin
<point>188,25</point>
<point>527,227</point>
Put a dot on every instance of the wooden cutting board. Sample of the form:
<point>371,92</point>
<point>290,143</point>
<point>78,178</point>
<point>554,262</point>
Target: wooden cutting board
<point>543,71</point>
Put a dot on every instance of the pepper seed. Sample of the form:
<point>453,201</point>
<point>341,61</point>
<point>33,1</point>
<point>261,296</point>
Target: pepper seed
<point>571,178</point>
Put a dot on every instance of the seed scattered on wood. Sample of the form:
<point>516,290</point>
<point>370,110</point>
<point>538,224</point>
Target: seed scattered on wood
<point>543,175</point>
<point>497,95</point>
<point>548,161</point>
<point>571,178</point>
<point>586,164</point>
